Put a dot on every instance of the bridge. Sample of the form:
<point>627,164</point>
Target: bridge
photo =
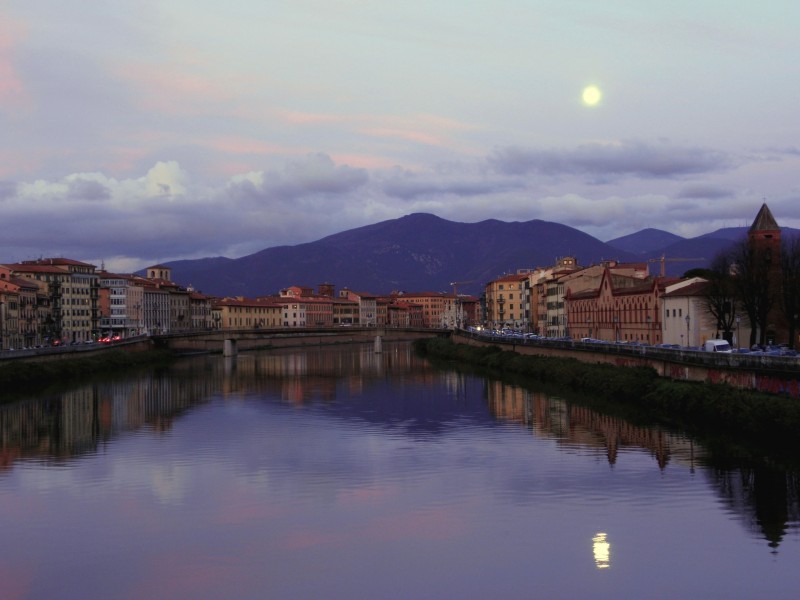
<point>227,341</point>
<point>231,341</point>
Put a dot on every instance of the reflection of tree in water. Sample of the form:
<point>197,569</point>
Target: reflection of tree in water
<point>766,499</point>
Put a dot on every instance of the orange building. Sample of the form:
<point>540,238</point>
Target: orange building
<point>435,306</point>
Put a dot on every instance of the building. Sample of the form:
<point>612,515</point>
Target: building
<point>121,304</point>
<point>506,301</point>
<point>434,306</point>
<point>621,308</point>
<point>73,293</point>
<point>764,246</point>
<point>686,318</point>
<point>49,281</point>
<point>548,288</point>
<point>367,306</point>
<point>247,313</point>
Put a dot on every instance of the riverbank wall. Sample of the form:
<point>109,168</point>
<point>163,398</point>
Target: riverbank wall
<point>763,373</point>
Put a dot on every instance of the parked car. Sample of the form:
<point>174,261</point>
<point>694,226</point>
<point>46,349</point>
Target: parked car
<point>717,346</point>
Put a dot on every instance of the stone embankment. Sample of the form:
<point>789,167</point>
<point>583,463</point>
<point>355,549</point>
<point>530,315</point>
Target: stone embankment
<point>760,372</point>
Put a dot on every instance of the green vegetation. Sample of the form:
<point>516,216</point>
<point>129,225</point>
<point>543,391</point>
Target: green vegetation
<point>703,409</point>
<point>27,376</point>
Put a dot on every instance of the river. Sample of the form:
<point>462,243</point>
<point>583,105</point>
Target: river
<point>339,472</point>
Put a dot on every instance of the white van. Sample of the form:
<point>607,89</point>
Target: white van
<point>717,346</point>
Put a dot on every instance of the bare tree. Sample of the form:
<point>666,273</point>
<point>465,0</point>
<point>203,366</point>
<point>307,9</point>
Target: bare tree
<point>720,294</point>
<point>755,286</point>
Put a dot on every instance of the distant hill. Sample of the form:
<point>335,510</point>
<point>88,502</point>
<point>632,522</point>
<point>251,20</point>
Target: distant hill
<point>728,233</point>
<point>645,241</point>
<point>418,252</point>
<point>705,247</point>
<point>423,252</point>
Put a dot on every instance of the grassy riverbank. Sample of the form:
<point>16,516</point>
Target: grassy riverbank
<point>31,376</point>
<point>696,407</point>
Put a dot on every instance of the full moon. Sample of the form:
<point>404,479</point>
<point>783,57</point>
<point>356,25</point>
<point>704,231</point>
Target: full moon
<point>591,95</point>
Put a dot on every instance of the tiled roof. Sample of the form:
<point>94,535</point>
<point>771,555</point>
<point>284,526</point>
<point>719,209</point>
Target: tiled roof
<point>693,289</point>
<point>30,268</point>
<point>58,261</point>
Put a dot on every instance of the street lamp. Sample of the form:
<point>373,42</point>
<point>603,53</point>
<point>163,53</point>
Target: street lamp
<point>688,336</point>
<point>738,341</point>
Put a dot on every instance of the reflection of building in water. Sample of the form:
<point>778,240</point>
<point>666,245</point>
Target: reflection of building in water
<point>575,424</point>
<point>765,499</point>
<point>314,373</point>
<point>66,425</point>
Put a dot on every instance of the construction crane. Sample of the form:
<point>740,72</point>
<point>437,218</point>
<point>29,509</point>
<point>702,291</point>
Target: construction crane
<point>663,260</point>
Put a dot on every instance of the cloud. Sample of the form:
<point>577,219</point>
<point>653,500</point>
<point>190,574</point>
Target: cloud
<point>408,185</point>
<point>167,213</point>
<point>704,191</point>
<point>166,180</point>
<point>8,189</point>
<point>314,175</point>
<point>12,90</point>
<point>87,189</point>
<point>637,159</point>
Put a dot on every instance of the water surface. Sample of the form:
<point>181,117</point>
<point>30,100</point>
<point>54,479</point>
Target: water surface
<point>341,473</point>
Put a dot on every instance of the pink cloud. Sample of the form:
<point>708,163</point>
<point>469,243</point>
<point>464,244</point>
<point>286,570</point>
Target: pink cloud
<point>175,89</point>
<point>413,136</point>
<point>14,163</point>
<point>365,161</point>
<point>240,145</point>
<point>298,118</point>
<point>12,91</point>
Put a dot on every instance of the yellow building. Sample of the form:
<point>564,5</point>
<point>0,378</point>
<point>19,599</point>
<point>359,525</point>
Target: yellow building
<point>247,313</point>
<point>506,300</point>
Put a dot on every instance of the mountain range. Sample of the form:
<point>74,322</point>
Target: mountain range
<point>423,252</point>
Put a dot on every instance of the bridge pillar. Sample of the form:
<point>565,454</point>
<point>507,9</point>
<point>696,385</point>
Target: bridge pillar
<point>229,348</point>
<point>378,344</point>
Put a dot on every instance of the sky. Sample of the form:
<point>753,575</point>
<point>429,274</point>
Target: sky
<point>134,132</point>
